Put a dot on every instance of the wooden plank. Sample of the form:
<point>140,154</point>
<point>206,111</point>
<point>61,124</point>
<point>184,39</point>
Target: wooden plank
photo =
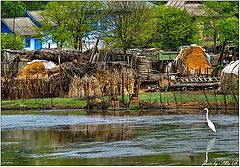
<point>194,85</point>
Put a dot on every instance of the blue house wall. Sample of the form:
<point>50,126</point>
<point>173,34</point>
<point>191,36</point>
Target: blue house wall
<point>31,43</point>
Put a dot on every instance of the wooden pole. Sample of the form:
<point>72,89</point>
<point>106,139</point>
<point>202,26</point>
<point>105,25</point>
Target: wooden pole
<point>215,98</point>
<point>122,87</point>
<point>206,97</point>
<point>60,75</point>
<point>175,98</point>
<point>225,101</point>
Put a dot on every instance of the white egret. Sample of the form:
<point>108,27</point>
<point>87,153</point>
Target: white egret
<point>210,124</point>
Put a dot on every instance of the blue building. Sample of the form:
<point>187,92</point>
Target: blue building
<point>23,26</point>
<point>36,17</point>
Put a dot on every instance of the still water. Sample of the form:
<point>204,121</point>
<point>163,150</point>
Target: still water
<point>118,140</point>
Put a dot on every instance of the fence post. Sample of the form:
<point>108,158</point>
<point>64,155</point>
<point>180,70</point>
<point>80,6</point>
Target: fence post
<point>206,97</point>
<point>60,75</point>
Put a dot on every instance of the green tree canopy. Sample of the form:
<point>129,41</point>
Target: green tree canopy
<point>10,41</point>
<point>130,24</point>
<point>12,8</point>
<point>214,12</point>
<point>221,21</point>
<point>35,5</point>
<point>229,30</point>
<point>174,28</point>
<point>54,24</point>
<point>69,22</point>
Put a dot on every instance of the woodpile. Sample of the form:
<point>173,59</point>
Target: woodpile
<point>193,61</point>
<point>66,54</point>
<point>144,67</point>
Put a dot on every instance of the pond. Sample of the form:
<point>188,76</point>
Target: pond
<point>119,140</point>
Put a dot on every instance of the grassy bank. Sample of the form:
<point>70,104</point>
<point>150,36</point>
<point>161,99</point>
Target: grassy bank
<point>36,112</point>
<point>44,103</point>
<point>167,99</point>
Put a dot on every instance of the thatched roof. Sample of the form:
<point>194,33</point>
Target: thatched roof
<point>23,26</point>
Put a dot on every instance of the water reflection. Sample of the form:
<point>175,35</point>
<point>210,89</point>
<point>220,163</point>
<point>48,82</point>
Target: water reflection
<point>123,140</point>
<point>210,145</point>
<point>74,133</point>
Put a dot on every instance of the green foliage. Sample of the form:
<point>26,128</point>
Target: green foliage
<point>54,23</point>
<point>221,21</point>
<point>130,23</point>
<point>35,5</point>
<point>10,41</point>
<point>222,8</point>
<point>12,8</point>
<point>229,30</point>
<point>174,28</point>
<point>69,22</point>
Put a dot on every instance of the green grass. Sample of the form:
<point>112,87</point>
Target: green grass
<point>183,97</point>
<point>167,98</point>
<point>71,112</point>
<point>44,102</point>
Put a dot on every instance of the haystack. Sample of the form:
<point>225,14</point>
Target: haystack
<point>230,78</point>
<point>193,60</point>
<point>36,70</point>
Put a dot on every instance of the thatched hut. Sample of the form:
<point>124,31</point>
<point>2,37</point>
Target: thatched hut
<point>193,61</point>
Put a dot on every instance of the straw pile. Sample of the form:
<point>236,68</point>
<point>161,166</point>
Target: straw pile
<point>193,60</point>
<point>76,80</point>
<point>32,71</point>
<point>105,80</point>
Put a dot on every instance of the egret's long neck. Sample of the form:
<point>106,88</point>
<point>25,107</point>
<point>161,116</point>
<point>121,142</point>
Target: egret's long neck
<point>207,115</point>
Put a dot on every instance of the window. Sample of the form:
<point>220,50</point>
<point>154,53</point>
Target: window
<point>27,43</point>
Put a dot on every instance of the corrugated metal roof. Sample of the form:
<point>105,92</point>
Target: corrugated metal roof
<point>23,26</point>
<point>193,8</point>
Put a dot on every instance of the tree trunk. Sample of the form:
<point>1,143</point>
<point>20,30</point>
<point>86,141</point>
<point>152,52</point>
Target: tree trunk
<point>125,53</point>
<point>221,54</point>
<point>215,42</point>
<point>75,43</point>
<point>80,43</point>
